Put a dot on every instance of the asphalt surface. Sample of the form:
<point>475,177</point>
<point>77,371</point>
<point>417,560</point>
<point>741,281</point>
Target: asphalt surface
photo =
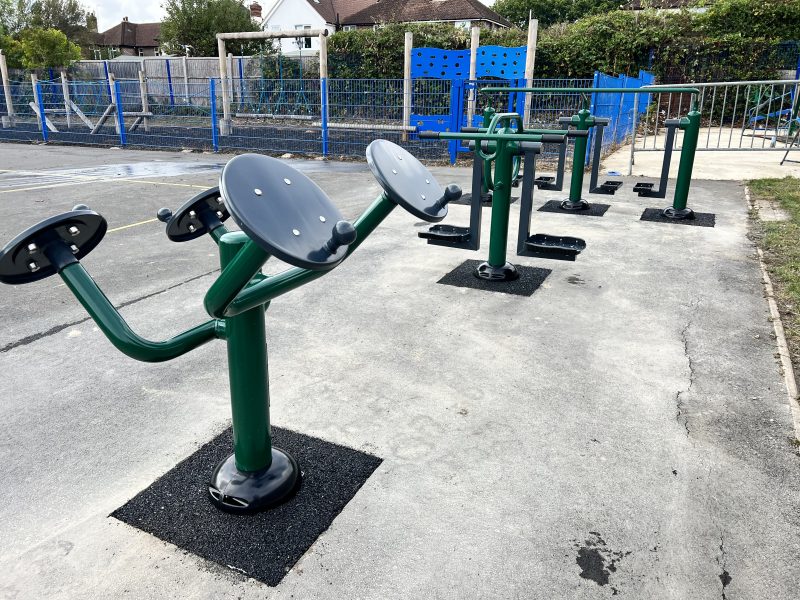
<point>622,431</point>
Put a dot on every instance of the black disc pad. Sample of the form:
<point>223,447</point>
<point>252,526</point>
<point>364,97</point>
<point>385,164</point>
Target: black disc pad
<point>282,210</point>
<point>406,180</point>
<point>24,258</point>
<point>190,220</point>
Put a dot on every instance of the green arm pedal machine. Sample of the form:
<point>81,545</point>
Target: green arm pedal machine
<point>281,213</point>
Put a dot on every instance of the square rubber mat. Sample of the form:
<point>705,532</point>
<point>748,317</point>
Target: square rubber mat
<point>594,210</point>
<point>466,199</point>
<point>700,219</point>
<point>264,546</point>
<point>530,278</point>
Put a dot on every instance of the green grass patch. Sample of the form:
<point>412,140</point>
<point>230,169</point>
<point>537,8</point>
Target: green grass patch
<point>780,241</point>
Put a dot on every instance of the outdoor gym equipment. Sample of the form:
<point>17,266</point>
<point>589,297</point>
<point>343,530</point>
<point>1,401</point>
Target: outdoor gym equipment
<point>584,121</point>
<point>500,144</point>
<point>281,213</point>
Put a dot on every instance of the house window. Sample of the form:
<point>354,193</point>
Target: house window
<point>141,51</point>
<point>98,54</point>
<point>463,24</point>
<point>348,28</point>
<point>306,41</point>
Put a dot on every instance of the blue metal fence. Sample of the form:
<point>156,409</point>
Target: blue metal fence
<point>336,117</point>
<point>619,108</point>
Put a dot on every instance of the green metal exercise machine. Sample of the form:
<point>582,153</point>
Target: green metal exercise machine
<point>584,121</point>
<point>500,144</point>
<point>281,213</point>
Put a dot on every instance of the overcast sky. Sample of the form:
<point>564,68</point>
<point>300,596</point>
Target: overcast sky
<point>110,12</point>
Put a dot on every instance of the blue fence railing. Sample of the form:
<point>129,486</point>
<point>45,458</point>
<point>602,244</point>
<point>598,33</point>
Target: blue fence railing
<point>333,117</point>
<point>619,108</point>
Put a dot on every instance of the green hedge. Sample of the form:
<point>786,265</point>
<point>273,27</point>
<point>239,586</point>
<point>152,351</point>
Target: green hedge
<point>733,39</point>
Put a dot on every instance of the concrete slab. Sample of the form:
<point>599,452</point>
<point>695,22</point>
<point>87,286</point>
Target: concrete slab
<point>624,430</point>
<point>730,163</point>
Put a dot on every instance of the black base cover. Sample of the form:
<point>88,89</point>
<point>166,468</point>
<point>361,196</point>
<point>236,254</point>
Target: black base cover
<point>265,545</point>
<point>240,492</point>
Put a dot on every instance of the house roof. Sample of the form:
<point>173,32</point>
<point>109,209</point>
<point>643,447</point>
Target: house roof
<point>331,9</point>
<point>368,12</point>
<point>134,35</point>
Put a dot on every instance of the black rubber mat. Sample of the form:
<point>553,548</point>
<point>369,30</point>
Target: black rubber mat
<point>530,278</point>
<point>264,546</point>
<point>700,219</point>
<point>594,210</point>
<point>466,198</point>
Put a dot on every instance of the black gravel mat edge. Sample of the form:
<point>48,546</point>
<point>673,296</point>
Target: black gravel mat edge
<point>264,546</point>
<point>700,219</point>
<point>594,210</point>
<point>530,279</point>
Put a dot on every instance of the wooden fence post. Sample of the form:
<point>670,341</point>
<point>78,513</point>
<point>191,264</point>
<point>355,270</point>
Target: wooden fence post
<point>530,61</point>
<point>7,89</point>
<point>409,43</point>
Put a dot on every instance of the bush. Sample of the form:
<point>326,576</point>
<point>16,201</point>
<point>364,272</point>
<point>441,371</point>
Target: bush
<point>733,39</point>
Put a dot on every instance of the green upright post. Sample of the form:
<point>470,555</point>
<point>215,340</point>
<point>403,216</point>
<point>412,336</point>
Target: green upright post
<point>256,475</point>
<point>486,184</point>
<point>247,368</point>
<point>690,125</point>
<point>497,268</point>
<point>582,121</point>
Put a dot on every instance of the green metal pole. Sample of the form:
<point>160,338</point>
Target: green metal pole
<point>500,210</point>
<point>279,284</point>
<point>691,128</point>
<point>119,332</point>
<point>237,271</point>
<point>486,183</point>
<point>582,121</point>
<point>247,370</point>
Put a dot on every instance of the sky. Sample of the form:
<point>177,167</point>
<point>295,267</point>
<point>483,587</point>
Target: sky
<point>110,12</point>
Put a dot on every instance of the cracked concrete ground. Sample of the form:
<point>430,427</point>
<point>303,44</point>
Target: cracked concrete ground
<point>624,431</point>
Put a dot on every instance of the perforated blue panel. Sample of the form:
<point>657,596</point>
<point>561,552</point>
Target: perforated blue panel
<point>433,63</point>
<point>492,61</point>
<point>496,61</point>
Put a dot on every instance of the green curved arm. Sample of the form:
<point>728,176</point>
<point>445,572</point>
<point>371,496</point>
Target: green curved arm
<point>119,332</point>
<point>240,269</point>
<point>505,118</point>
<point>279,284</point>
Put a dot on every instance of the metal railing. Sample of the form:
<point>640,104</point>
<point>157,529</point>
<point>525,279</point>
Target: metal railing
<point>736,116</point>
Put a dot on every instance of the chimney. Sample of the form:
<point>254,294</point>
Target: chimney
<point>124,19</point>
<point>91,22</point>
<point>255,10</point>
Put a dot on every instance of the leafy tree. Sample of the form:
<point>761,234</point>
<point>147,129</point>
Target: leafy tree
<point>550,12</point>
<point>12,50</point>
<point>68,16</point>
<point>196,23</point>
<point>15,15</point>
<point>47,48</point>
<point>778,19</point>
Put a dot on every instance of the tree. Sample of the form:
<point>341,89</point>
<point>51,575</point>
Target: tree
<point>196,23</point>
<point>550,12</point>
<point>12,50</point>
<point>15,15</point>
<point>47,48</point>
<point>68,16</point>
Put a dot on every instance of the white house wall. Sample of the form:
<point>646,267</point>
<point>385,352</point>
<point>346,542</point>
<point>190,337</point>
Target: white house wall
<point>288,15</point>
